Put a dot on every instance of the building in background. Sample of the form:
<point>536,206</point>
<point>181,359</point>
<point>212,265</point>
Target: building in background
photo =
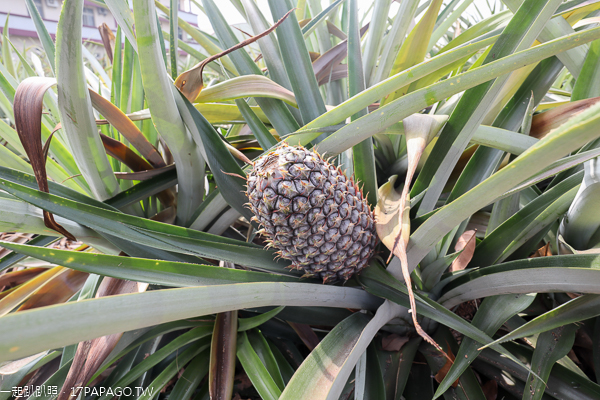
<point>22,29</point>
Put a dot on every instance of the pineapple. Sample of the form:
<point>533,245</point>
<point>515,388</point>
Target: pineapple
<point>312,213</point>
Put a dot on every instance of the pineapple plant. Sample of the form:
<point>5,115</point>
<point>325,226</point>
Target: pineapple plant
<point>472,136</point>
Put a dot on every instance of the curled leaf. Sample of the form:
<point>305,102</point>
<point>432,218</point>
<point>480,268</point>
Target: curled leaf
<point>28,105</point>
<point>387,213</point>
<point>419,130</point>
<point>190,82</point>
<point>108,40</point>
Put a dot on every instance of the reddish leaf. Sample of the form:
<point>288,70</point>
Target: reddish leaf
<point>441,374</point>
<point>123,124</point>
<point>329,62</point>
<point>308,336</point>
<point>490,390</point>
<point>336,73</point>
<point>223,353</point>
<point>466,242</point>
<point>143,175</point>
<point>28,105</point>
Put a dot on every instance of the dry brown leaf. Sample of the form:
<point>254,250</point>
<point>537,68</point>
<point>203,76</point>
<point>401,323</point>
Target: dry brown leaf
<point>28,106</point>
<point>393,342</point>
<point>16,237</point>
<point>466,242</point>
<point>14,366</point>
<point>12,298</point>
<point>58,290</point>
<point>392,211</point>
<point>108,40</point>
<point>121,122</point>
<point>387,212</point>
<point>118,150</point>
<point>441,374</point>
<point>543,251</point>
<point>15,278</point>
<point>543,123</point>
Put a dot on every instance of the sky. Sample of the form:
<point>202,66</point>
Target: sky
<point>234,17</point>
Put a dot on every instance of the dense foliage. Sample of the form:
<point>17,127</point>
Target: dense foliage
<point>474,138</point>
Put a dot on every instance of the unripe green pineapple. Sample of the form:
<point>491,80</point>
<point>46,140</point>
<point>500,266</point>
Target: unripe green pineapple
<point>312,213</point>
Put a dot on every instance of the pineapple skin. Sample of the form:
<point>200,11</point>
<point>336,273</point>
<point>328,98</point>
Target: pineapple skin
<point>312,213</point>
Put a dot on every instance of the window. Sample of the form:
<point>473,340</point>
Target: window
<point>88,17</point>
<point>180,33</point>
<point>184,5</point>
<point>40,8</point>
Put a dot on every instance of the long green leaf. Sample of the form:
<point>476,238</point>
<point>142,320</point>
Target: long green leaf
<point>150,233</point>
<point>226,171</point>
<point>474,105</point>
<point>376,92</point>
<point>517,277</point>
<point>276,111</point>
<point>395,39</point>
<point>75,106</point>
<point>491,314</point>
<point>122,13</point>
<point>165,115</point>
<point>375,36</point>
<point>297,62</point>
<point>379,282</point>
<point>401,108</point>
<point>329,357</point>
<point>195,371</point>
<point>43,34</point>
<point>256,370</point>
<point>491,248</point>
<point>578,309</point>
<point>165,273</point>
<point>68,323</point>
<point>550,347</point>
<point>570,136</point>
<point>363,160</point>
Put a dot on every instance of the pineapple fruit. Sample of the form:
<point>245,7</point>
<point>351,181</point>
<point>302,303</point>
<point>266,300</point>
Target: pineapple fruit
<point>312,213</point>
